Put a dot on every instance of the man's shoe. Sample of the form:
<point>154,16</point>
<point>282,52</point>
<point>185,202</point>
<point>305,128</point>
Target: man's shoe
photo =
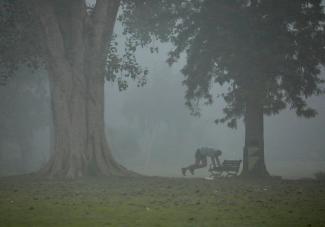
<point>192,171</point>
<point>184,171</point>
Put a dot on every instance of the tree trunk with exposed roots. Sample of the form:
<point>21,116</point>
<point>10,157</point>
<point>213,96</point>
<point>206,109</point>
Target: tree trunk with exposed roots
<point>76,43</point>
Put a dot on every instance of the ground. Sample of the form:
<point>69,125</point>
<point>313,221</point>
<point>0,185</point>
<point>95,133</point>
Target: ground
<point>157,201</point>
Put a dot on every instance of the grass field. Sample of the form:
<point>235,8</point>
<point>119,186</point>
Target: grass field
<point>155,201</point>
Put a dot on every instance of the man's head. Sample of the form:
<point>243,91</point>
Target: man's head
<point>218,152</point>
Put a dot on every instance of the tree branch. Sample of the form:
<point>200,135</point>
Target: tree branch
<point>54,40</point>
<point>103,20</point>
<point>78,18</point>
<point>56,61</point>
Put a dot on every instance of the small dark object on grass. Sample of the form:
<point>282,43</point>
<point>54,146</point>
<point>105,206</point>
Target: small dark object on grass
<point>320,176</point>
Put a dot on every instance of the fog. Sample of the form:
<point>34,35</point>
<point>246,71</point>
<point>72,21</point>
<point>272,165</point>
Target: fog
<point>152,132</point>
<point>162,113</point>
<point>167,135</point>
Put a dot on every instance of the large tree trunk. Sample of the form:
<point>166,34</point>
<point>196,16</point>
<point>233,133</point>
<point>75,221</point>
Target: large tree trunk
<point>102,161</point>
<point>253,161</point>
<point>80,146</point>
<point>76,44</point>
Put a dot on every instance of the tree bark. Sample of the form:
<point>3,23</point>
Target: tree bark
<point>77,48</point>
<point>253,160</point>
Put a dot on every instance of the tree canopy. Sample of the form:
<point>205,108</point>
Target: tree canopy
<point>20,39</point>
<point>22,42</point>
<point>273,49</point>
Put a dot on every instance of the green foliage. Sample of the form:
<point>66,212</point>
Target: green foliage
<point>22,42</point>
<point>119,68</point>
<point>262,49</point>
<point>269,49</point>
<point>20,39</point>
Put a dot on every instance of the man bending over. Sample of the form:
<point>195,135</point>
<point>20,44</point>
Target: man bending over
<point>201,159</point>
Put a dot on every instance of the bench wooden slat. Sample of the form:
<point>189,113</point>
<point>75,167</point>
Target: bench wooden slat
<point>232,161</point>
<point>230,167</point>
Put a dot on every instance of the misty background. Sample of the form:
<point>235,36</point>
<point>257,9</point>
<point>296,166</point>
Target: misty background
<point>150,129</point>
<point>168,135</point>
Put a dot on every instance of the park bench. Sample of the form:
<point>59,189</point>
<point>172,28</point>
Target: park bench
<point>229,168</point>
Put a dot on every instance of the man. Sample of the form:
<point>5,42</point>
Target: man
<point>201,159</point>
